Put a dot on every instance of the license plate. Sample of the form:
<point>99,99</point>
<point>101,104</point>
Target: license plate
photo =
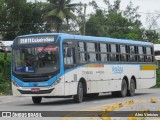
<point>35,89</point>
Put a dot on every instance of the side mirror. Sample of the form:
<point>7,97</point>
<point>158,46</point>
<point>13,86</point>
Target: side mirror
<point>69,52</point>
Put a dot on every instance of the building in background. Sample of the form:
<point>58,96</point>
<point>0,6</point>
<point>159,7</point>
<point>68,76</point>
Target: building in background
<point>5,46</point>
<point>157,53</point>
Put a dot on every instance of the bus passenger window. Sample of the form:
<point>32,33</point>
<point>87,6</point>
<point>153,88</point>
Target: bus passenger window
<point>141,54</point>
<point>81,46</point>
<point>113,57</point>
<point>91,47</point>
<point>68,56</point>
<point>92,57</point>
<point>104,57</point>
<point>113,50</point>
<point>149,54</point>
<point>103,50</point>
<point>123,53</point>
<point>83,57</point>
<point>132,53</point>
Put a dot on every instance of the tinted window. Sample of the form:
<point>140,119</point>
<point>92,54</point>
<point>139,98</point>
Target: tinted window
<point>113,48</point>
<point>69,59</point>
<point>81,46</point>
<point>123,48</point>
<point>114,57</point>
<point>103,48</point>
<point>82,57</point>
<point>148,50</point>
<point>91,47</point>
<point>140,50</point>
<point>141,58</point>
<point>132,49</point>
<point>104,57</point>
<point>149,59</point>
<point>92,57</point>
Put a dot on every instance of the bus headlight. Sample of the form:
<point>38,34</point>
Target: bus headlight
<point>57,81</point>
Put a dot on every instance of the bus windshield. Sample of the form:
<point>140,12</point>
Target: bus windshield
<point>37,60</point>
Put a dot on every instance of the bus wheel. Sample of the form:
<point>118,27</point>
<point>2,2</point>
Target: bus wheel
<point>131,92</point>
<point>123,91</point>
<point>79,97</point>
<point>36,100</point>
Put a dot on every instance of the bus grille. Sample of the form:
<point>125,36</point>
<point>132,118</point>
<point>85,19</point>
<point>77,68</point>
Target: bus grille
<point>35,79</point>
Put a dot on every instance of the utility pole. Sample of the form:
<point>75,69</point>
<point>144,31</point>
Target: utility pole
<point>84,23</point>
<point>144,36</point>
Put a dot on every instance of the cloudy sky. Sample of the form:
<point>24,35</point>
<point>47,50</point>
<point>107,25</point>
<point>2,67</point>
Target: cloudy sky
<point>145,6</point>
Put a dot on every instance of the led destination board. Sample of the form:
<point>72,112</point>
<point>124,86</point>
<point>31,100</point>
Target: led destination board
<point>38,39</point>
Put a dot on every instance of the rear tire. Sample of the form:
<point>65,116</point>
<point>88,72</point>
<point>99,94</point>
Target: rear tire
<point>79,97</point>
<point>36,100</point>
<point>131,91</point>
<point>123,91</point>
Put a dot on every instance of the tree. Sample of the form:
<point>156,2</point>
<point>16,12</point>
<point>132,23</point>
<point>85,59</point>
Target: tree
<point>152,36</point>
<point>95,26</point>
<point>58,11</point>
<point>113,22</point>
<point>20,17</point>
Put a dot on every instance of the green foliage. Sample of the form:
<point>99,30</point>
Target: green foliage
<point>5,74</point>
<point>58,11</point>
<point>5,88</point>
<point>158,78</point>
<point>115,22</point>
<point>95,25</point>
<point>152,36</point>
<point>20,17</point>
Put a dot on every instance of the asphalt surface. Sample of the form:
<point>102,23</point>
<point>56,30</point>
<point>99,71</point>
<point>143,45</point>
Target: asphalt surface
<point>10,103</point>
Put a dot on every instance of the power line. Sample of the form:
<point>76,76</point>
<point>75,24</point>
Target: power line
<point>138,11</point>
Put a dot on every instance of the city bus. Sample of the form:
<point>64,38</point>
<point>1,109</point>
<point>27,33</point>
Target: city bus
<point>64,65</point>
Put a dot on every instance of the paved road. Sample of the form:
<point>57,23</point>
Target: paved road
<point>67,104</point>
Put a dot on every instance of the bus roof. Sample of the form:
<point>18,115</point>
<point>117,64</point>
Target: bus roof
<point>105,39</point>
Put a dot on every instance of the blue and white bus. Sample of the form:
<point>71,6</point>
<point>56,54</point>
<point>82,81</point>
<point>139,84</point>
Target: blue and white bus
<point>65,65</point>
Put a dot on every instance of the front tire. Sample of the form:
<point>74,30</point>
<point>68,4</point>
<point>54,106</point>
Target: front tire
<point>123,91</point>
<point>36,100</point>
<point>131,92</point>
<point>79,97</point>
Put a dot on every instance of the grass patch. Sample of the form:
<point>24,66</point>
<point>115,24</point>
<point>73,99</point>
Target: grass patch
<point>158,78</point>
<point>5,88</point>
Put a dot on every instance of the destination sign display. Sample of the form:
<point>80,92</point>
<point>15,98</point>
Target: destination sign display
<point>36,39</point>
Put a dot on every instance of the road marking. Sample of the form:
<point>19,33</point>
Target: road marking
<point>111,107</point>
